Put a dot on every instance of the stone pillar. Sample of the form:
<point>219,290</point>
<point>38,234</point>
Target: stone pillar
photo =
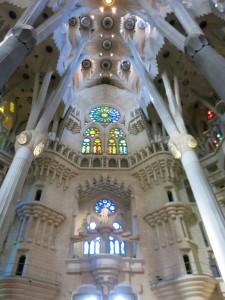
<point>209,62</point>
<point>209,209</point>
<point>11,188</point>
<point>32,12</point>
<point>18,43</point>
<point>15,178</point>
<point>185,18</point>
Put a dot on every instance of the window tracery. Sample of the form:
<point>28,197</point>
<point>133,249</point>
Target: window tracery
<point>116,132</point>
<point>105,203</point>
<point>92,132</point>
<point>104,114</point>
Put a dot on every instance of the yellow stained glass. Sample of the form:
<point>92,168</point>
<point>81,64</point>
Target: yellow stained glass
<point>12,107</point>
<point>97,146</point>
<point>8,122</point>
<point>2,109</point>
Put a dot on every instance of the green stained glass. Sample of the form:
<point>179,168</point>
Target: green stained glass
<point>116,132</point>
<point>104,114</point>
<point>123,146</point>
<point>92,132</point>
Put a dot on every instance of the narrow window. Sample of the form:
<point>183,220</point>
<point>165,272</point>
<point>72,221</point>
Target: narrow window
<point>170,196</point>
<point>112,146</point>
<point>38,195</point>
<point>187,264</point>
<point>86,147</point>
<point>84,163</point>
<point>20,266</point>
<point>214,267</point>
<point>97,146</point>
<point>112,163</point>
<point>123,147</point>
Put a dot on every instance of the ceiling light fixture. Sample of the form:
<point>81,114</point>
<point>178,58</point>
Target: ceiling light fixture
<point>101,9</point>
<point>113,10</point>
<point>108,2</point>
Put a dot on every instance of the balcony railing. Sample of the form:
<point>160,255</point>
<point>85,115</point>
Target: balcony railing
<point>30,272</point>
<point>174,271</point>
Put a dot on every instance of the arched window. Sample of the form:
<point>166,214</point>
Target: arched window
<point>92,247</point>
<point>187,264</point>
<point>97,148</point>
<point>112,146</point>
<point>116,247</point>
<point>20,265</point>
<point>122,146</point>
<point>86,147</point>
<point>84,163</point>
<point>96,163</point>
<point>124,163</point>
<point>38,195</point>
<point>112,163</point>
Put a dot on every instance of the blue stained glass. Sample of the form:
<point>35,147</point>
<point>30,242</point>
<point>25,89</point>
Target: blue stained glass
<point>104,114</point>
<point>105,202</point>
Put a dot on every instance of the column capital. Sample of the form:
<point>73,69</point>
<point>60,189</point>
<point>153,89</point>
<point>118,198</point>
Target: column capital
<point>26,34</point>
<point>193,44</point>
<point>180,144</point>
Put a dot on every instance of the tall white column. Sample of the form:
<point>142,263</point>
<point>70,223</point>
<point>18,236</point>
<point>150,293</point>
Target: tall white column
<point>11,189</point>
<point>181,143</point>
<point>211,213</point>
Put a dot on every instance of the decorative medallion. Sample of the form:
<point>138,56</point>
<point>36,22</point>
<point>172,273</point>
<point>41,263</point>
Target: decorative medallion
<point>125,65</point>
<point>129,23</point>
<point>38,149</point>
<point>86,63</point>
<point>85,22</point>
<point>106,64</point>
<point>107,22</point>
<point>107,44</point>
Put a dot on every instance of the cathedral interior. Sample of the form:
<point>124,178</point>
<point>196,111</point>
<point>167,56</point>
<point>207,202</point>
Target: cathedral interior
<point>112,167</point>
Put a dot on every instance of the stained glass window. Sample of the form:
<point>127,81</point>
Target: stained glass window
<point>92,247</point>
<point>116,247</point>
<point>116,132</point>
<point>112,146</point>
<point>105,202</point>
<point>123,146</point>
<point>97,146</point>
<point>86,147</point>
<point>210,114</point>
<point>117,226</point>
<point>104,114</point>
<point>92,132</point>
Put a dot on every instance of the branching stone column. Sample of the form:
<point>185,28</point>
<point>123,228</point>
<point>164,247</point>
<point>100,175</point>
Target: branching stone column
<point>209,62</point>
<point>181,146</point>
<point>19,42</point>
